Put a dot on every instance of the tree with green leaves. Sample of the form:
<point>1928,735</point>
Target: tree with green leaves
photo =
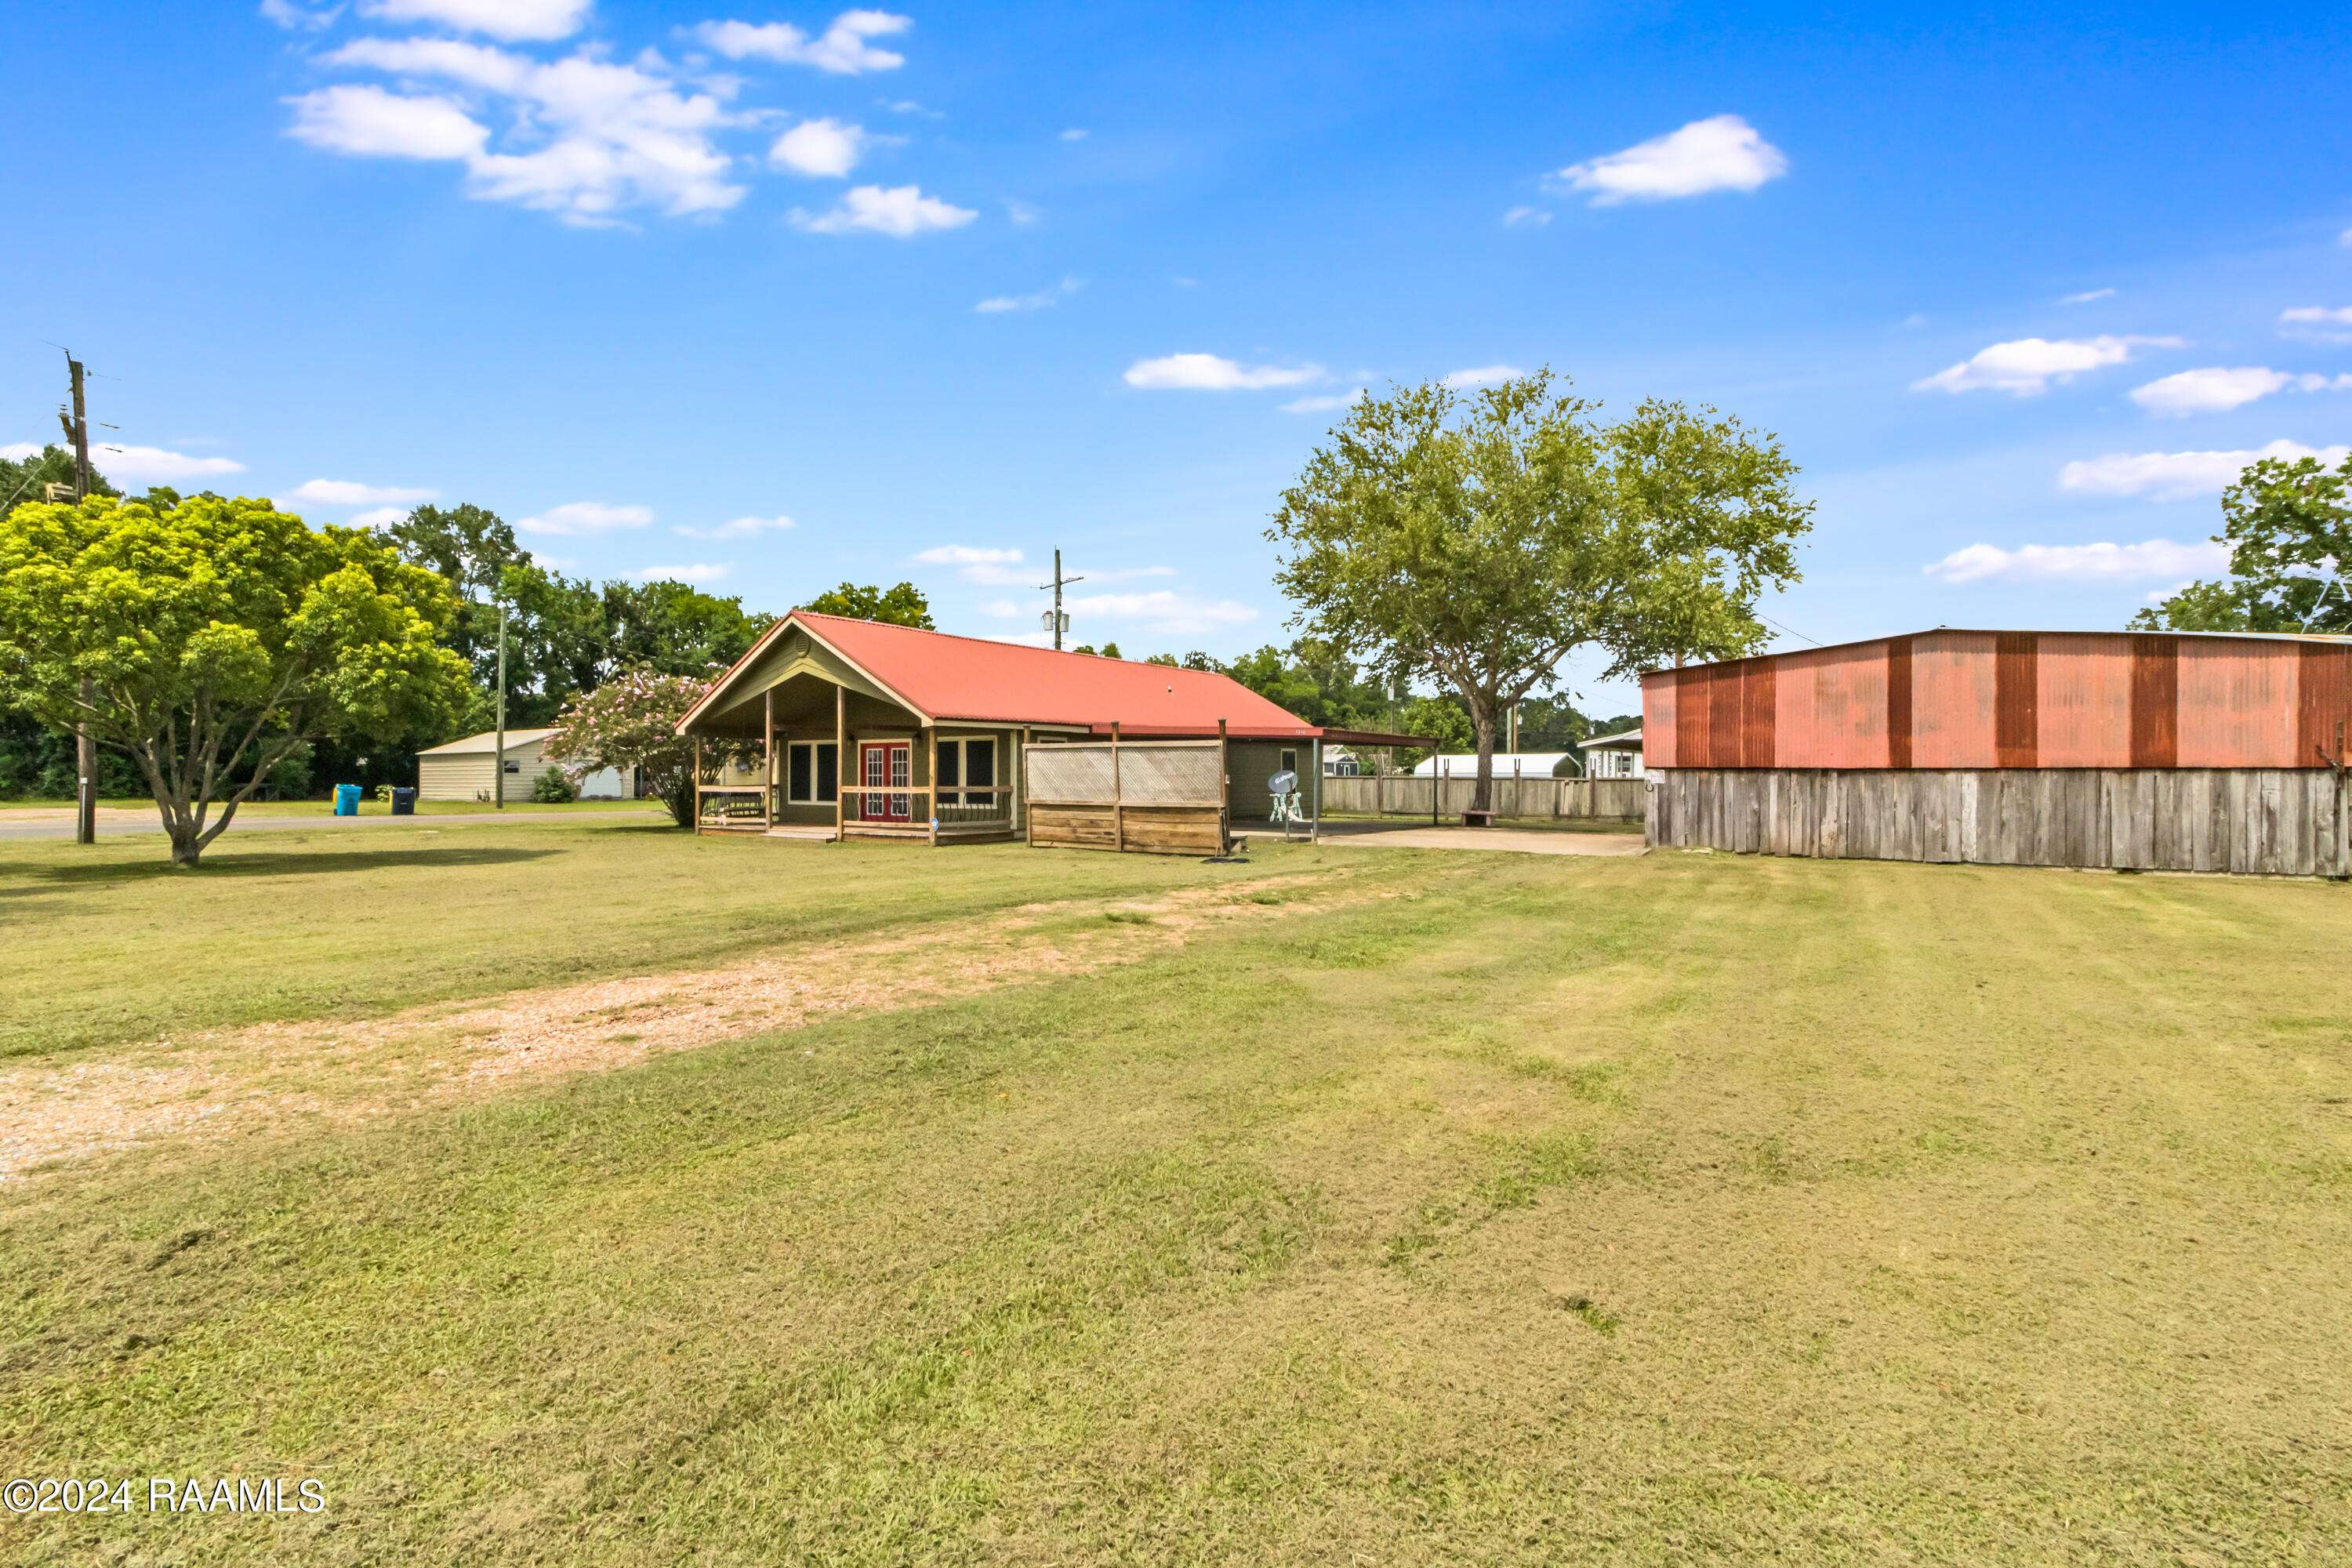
<point>29,477</point>
<point>2288,526</point>
<point>676,629</point>
<point>1475,542</point>
<point>218,637</point>
<point>901,605</point>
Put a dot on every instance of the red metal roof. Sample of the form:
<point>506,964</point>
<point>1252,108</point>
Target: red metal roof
<point>958,677</point>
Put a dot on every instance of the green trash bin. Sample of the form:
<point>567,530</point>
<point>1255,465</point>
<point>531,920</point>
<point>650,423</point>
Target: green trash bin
<point>347,800</point>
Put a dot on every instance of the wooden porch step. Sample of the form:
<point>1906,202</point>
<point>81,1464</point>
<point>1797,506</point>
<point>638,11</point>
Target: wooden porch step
<point>811,835</point>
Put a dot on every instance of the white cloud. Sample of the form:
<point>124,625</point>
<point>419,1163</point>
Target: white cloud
<point>351,492</point>
<point>1020,213</point>
<point>1484,375</point>
<point>154,466</point>
<point>825,148</point>
<point>1720,153</point>
<point>1162,610</point>
<point>589,138</point>
<point>2086,296</point>
<point>385,516</point>
<point>698,573</point>
<point>1324,403</point>
<point>293,16</point>
<point>738,528</point>
<point>842,48</point>
<point>2155,558</point>
<point>901,211</point>
<point>967,556</point>
<point>999,304</point>
<point>1076,133</point>
<point>2217,388</point>
<point>578,519</point>
<point>2320,322</point>
<point>1210,373</point>
<point>137,465</point>
<point>2027,366</point>
<point>369,122</point>
<point>1519,215</point>
<point>1002,609</point>
<point>2345,239</point>
<point>2172,475</point>
<point>989,565</point>
<point>513,20</point>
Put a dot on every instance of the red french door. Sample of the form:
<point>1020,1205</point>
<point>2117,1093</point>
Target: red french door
<point>886,764</point>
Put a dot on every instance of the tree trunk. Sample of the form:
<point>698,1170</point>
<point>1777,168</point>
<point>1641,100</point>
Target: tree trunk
<point>1482,718</point>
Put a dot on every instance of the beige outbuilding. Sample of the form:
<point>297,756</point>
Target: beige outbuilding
<point>467,769</point>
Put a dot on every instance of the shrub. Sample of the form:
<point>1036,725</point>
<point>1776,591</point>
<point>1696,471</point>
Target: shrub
<point>551,788</point>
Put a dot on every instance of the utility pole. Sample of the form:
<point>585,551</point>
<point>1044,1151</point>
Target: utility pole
<point>1057,623</point>
<point>77,426</point>
<point>498,774</point>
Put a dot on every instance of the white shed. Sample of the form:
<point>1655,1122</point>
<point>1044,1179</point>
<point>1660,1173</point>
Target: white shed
<point>1526,765</point>
<point>1617,756</point>
<point>464,769</point>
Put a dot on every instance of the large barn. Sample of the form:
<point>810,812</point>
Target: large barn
<point>2162,750</point>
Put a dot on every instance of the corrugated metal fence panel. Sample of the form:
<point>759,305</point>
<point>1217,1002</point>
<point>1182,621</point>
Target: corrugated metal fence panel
<point>1831,709</point>
<point>2238,704</point>
<point>2008,699</point>
<point>1951,700</point>
<point>1659,704</point>
<point>2083,702</point>
<point>2323,705</point>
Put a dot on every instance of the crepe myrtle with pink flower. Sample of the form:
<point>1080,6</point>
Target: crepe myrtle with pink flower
<point>631,721</point>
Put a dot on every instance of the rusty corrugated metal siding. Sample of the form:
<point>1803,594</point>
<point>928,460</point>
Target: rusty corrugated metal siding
<point>2010,700</point>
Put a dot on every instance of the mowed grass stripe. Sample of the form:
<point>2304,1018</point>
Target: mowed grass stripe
<point>1632,1210</point>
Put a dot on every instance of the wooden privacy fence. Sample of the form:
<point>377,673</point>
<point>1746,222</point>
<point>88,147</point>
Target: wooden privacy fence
<point>2288,822</point>
<point>1161,797</point>
<point>1403,795</point>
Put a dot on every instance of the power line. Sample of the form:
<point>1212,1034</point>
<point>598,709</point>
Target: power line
<point>1791,630</point>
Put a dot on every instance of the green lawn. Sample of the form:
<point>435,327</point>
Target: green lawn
<point>1430,1208</point>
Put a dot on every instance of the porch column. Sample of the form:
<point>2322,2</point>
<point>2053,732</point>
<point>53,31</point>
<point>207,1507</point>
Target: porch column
<point>698,783</point>
<point>1019,810</point>
<point>841,772</point>
<point>1315,823</point>
<point>931,746</point>
<point>768,759</point>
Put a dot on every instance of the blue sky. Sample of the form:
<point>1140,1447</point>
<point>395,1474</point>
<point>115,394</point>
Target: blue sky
<point>947,288</point>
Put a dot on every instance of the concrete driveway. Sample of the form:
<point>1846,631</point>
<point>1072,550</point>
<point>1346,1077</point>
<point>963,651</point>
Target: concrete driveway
<point>1516,840</point>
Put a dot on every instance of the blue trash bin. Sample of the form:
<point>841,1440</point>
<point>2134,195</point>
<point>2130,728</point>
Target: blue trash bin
<point>403,801</point>
<point>347,800</point>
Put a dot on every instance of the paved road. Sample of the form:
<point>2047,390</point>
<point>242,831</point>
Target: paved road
<point>116,822</point>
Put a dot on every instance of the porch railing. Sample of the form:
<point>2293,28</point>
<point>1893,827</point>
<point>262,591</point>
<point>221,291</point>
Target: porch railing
<point>913,806</point>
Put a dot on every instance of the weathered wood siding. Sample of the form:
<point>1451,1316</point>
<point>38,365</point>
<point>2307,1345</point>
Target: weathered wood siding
<point>1159,797</point>
<point>2289,822</point>
<point>1614,799</point>
<point>1149,829</point>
